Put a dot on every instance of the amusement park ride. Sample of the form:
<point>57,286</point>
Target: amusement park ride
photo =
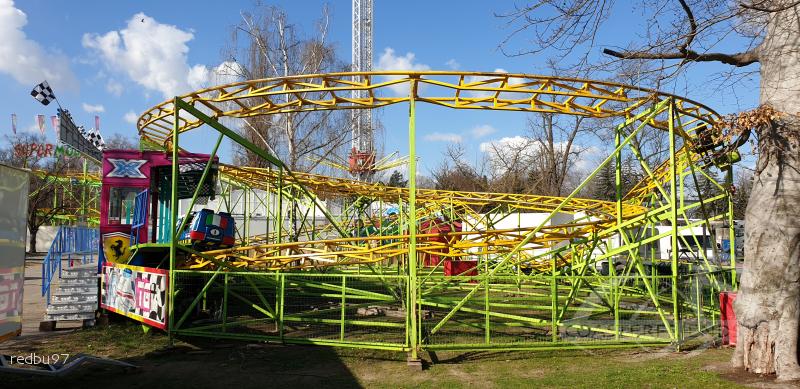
<point>411,269</point>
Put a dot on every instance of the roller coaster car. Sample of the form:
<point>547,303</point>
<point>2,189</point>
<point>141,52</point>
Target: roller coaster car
<point>208,230</point>
<point>705,140</point>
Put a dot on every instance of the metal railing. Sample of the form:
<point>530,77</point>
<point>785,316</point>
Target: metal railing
<point>81,242</point>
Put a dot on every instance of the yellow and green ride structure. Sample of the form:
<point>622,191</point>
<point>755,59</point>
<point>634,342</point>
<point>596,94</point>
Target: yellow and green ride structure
<point>450,269</point>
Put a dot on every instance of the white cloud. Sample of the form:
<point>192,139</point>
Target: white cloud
<point>482,130</point>
<point>114,87</point>
<point>590,158</point>
<point>389,61</point>
<point>93,108</point>
<point>131,117</point>
<point>152,54</point>
<point>443,137</point>
<point>25,60</point>
<point>504,142</point>
<point>227,72</point>
<point>198,76</point>
<point>453,64</point>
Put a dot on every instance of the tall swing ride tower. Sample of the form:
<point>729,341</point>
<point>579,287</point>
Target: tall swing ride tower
<point>362,152</point>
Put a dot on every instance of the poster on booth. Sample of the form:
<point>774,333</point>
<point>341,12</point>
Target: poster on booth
<point>13,216</point>
<point>136,292</point>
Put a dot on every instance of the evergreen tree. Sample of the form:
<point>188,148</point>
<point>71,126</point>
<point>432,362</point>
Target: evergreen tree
<point>396,180</point>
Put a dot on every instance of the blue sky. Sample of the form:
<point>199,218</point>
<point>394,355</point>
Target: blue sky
<point>65,42</point>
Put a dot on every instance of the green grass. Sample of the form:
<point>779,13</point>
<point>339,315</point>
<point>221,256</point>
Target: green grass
<point>199,363</point>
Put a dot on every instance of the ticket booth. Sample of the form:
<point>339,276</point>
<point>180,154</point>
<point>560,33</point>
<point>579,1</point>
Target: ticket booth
<point>128,174</point>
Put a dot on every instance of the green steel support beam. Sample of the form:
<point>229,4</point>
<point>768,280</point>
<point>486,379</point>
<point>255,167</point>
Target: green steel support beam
<point>644,116</point>
<point>412,224</point>
<point>173,241</point>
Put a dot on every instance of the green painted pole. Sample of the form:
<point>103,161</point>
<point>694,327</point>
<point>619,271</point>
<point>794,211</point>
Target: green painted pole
<point>279,214</point>
<point>612,268</point>
<point>553,301</point>
<point>281,297</point>
<point>246,229</point>
<point>173,243</point>
<point>486,304</point>
<point>412,220</point>
<point>674,222</point>
<point>344,308</point>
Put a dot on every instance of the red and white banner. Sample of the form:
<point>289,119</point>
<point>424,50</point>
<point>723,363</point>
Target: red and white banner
<point>54,122</point>
<point>40,122</point>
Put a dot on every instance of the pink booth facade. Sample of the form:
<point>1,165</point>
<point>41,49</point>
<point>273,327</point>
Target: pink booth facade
<point>126,173</point>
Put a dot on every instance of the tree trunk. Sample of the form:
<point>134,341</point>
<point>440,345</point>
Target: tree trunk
<point>769,294</point>
<point>32,239</point>
<point>767,306</point>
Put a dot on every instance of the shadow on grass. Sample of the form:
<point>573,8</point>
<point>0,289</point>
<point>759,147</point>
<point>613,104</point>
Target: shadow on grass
<point>192,363</point>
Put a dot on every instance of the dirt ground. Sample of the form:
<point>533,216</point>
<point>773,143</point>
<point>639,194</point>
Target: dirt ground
<point>33,304</point>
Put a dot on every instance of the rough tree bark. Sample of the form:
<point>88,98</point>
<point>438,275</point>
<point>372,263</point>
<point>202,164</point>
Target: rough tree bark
<point>767,306</point>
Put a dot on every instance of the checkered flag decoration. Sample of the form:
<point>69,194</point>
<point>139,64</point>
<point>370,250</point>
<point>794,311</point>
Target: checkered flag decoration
<point>43,93</point>
<point>77,137</point>
<point>93,136</point>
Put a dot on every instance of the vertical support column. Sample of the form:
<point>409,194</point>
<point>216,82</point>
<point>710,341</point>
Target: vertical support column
<point>281,298</point>
<point>655,255</point>
<point>268,211</point>
<point>553,301</point>
<point>673,218</point>
<point>412,221</point>
<point>173,212</point>
<point>246,214</point>
<point>313,221</point>
<point>486,305</point>
<point>279,214</point>
<point>612,268</point>
<point>344,309</point>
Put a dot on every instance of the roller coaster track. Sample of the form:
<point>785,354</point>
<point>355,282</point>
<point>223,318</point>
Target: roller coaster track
<point>532,247</point>
<point>69,203</point>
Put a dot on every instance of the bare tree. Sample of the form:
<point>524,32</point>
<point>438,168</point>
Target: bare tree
<point>511,165</point>
<point>678,34</point>
<point>265,45</point>
<point>43,206</point>
<point>556,152</point>
<point>456,173</point>
<point>119,141</point>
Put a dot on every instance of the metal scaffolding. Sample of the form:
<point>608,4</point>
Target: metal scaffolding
<point>451,269</point>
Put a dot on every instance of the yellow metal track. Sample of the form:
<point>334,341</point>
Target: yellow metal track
<point>459,90</point>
